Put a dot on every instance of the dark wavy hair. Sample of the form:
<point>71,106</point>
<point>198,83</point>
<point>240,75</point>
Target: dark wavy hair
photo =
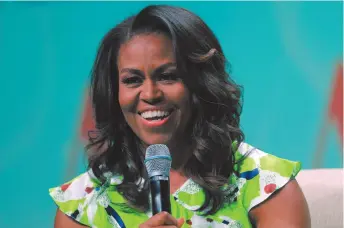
<point>216,106</point>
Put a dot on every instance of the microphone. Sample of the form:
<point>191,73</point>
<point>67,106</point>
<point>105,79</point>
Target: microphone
<point>158,164</point>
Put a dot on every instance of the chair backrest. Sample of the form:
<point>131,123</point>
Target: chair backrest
<point>323,189</point>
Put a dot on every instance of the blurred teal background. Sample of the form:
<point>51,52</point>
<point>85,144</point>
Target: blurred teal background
<point>285,54</point>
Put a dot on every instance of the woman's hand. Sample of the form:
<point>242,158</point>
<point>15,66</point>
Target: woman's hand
<point>163,220</point>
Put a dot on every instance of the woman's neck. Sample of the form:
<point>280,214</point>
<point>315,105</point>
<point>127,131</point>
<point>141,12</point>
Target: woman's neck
<point>180,155</point>
<point>177,179</point>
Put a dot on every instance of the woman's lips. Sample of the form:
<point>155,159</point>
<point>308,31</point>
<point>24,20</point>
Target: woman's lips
<point>155,122</point>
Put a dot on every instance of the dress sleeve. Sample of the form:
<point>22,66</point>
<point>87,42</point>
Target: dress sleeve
<point>85,200</point>
<point>72,197</point>
<point>262,174</point>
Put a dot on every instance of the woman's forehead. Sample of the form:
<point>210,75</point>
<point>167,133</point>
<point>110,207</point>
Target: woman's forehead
<point>146,50</point>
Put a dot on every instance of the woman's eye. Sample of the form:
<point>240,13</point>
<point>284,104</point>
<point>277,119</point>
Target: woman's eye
<point>132,80</point>
<point>168,77</point>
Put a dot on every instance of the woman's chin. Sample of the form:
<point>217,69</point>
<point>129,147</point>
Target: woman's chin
<point>157,140</point>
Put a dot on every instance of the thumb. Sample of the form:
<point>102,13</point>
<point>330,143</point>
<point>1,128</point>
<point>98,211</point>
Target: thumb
<point>180,222</point>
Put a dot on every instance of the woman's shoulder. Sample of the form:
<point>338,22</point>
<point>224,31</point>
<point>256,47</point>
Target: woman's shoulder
<point>74,188</point>
<point>261,174</point>
<point>250,158</point>
<point>82,185</point>
<point>83,196</point>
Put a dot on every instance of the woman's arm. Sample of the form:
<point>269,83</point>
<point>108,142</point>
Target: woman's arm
<point>63,221</point>
<point>286,208</point>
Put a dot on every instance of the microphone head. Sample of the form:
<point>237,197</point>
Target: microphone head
<point>158,160</point>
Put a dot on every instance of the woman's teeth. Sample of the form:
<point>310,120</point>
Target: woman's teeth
<point>155,114</point>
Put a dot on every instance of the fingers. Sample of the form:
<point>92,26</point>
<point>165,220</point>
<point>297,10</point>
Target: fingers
<point>180,222</point>
<point>162,219</point>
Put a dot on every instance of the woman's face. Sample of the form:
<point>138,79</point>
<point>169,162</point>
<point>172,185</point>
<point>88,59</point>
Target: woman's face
<point>153,99</point>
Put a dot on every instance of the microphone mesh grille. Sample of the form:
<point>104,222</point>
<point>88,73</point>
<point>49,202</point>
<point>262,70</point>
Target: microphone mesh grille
<point>158,160</point>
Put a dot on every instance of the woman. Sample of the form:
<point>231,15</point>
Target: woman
<point>160,78</point>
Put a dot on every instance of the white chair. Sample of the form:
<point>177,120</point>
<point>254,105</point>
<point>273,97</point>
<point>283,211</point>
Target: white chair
<point>323,189</point>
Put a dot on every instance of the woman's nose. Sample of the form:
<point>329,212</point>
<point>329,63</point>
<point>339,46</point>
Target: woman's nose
<point>151,93</point>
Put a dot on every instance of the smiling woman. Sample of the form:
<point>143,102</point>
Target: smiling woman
<point>160,78</point>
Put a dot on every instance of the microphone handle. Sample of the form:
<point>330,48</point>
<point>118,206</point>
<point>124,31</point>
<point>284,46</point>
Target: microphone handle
<point>160,194</point>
